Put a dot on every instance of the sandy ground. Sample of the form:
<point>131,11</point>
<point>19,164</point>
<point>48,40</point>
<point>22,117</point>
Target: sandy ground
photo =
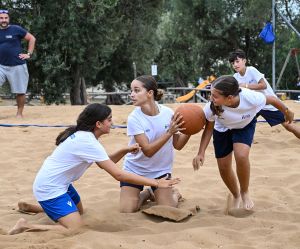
<point>274,186</point>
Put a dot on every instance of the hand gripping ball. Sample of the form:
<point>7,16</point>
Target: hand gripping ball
<point>193,117</point>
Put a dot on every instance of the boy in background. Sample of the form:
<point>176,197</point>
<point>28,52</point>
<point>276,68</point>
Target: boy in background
<point>249,77</point>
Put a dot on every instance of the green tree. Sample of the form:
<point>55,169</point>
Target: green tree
<point>198,35</point>
<point>139,45</point>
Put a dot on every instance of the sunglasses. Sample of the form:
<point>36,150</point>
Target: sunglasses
<point>3,11</point>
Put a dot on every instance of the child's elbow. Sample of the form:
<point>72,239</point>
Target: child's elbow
<point>178,147</point>
<point>148,154</point>
<point>119,177</point>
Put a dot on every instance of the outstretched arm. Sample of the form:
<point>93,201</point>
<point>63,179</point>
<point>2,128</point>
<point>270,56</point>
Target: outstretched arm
<point>121,175</point>
<point>118,155</point>
<point>206,136</point>
<point>288,114</point>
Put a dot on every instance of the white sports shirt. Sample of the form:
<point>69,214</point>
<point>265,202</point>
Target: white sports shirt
<point>66,164</point>
<point>251,102</point>
<point>253,76</point>
<point>153,127</point>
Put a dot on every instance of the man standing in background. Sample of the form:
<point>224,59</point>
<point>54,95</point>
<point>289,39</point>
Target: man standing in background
<point>13,66</point>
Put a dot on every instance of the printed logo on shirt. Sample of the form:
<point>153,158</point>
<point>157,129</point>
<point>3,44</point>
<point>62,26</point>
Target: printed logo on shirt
<point>167,126</point>
<point>69,203</point>
<point>72,136</point>
<point>147,130</point>
<point>246,116</point>
<point>8,37</point>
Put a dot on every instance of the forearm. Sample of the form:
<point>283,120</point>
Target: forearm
<point>31,45</point>
<point>118,155</point>
<point>110,167</point>
<point>261,85</point>
<point>276,103</point>
<point>180,140</point>
<point>255,87</point>
<point>206,136</point>
<point>150,149</point>
<point>136,179</point>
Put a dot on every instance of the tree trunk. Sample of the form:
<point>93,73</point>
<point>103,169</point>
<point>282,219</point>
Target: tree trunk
<point>114,99</point>
<point>78,95</point>
<point>179,81</point>
<point>83,93</point>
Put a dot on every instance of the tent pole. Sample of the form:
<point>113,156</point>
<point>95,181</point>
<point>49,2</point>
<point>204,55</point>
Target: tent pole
<point>273,48</point>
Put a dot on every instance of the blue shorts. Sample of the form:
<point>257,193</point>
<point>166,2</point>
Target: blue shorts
<point>223,141</point>
<point>141,187</point>
<point>272,117</point>
<point>62,205</point>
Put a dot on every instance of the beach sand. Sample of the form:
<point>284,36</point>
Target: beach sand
<point>274,186</point>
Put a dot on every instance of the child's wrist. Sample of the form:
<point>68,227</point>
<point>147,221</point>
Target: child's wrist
<point>157,183</point>
<point>286,111</point>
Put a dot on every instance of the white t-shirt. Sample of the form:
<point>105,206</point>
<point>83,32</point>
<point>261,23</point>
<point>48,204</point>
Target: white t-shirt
<point>251,102</point>
<point>66,164</point>
<point>253,76</point>
<point>153,127</point>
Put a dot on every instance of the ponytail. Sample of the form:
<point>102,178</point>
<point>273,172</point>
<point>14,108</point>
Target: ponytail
<point>86,121</point>
<point>65,134</point>
<point>216,110</point>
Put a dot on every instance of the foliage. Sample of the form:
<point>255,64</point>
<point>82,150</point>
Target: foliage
<point>98,40</point>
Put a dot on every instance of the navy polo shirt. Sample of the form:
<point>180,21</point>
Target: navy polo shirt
<point>10,45</point>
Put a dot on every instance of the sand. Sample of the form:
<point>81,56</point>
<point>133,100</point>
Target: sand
<point>274,186</point>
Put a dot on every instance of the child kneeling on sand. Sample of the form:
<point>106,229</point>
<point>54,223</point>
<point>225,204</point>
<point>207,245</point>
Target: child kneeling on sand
<point>77,148</point>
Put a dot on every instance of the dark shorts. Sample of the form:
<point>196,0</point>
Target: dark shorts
<point>141,187</point>
<point>62,205</point>
<point>272,117</point>
<point>223,141</point>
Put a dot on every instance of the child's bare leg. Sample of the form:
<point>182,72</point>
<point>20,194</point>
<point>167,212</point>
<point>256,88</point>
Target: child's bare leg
<point>229,178</point>
<point>293,128</point>
<point>67,223</point>
<point>130,199</point>
<point>167,196</point>
<point>27,207</point>
<point>241,153</point>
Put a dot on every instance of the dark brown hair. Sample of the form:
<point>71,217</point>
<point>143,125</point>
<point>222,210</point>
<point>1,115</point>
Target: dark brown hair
<point>86,121</point>
<point>226,86</point>
<point>150,84</point>
<point>236,54</point>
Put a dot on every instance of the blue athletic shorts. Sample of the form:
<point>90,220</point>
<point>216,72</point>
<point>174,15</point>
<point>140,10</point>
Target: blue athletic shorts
<point>223,141</point>
<point>272,117</point>
<point>62,205</point>
<point>141,187</point>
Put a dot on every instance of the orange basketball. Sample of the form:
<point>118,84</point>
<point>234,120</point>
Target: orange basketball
<point>193,116</point>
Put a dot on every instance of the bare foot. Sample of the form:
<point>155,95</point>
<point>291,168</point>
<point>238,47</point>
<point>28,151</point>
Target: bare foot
<point>28,208</point>
<point>23,206</point>
<point>177,195</point>
<point>236,202</point>
<point>19,116</point>
<point>236,212</point>
<point>151,194</point>
<point>232,203</point>
<point>146,195</point>
<point>247,202</point>
<point>20,227</point>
